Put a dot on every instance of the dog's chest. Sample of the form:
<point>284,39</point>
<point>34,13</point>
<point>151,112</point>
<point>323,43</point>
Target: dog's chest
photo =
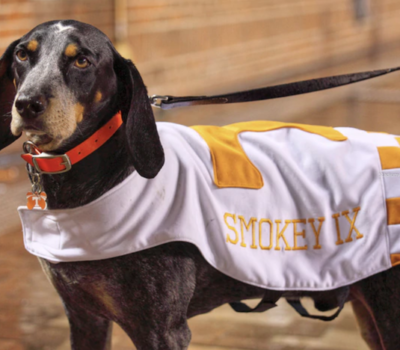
<point>289,208</point>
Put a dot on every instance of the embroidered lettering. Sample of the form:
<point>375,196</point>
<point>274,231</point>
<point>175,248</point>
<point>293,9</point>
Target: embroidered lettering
<point>281,235</point>
<point>296,234</point>
<point>316,232</point>
<point>352,226</point>
<point>339,239</point>
<point>267,244</point>
<point>250,224</point>
<point>271,238</point>
<point>228,238</point>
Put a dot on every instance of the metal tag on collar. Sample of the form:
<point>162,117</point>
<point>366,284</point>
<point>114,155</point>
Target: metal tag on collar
<point>36,198</point>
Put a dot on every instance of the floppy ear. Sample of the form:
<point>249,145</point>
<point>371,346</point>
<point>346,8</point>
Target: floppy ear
<point>7,94</point>
<point>141,131</point>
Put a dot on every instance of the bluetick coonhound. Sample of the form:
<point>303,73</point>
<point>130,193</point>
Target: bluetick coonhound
<point>60,83</point>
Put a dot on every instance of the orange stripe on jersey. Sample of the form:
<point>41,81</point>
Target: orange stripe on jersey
<point>390,157</point>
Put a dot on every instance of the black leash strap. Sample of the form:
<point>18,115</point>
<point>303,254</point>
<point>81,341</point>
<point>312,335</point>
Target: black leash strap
<point>267,302</point>
<point>342,298</point>
<point>269,92</point>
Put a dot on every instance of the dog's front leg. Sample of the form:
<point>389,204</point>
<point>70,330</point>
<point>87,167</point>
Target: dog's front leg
<point>88,331</point>
<point>168,330</point>
<point>156,298</point>
<point>146,293</point>
<point>155,295</point>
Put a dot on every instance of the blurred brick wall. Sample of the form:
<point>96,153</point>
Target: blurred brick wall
<point>17,17</point>
<point>185,46</point>
<point>213,46</point>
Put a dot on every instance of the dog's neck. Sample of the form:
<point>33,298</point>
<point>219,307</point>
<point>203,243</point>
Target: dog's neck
<point>91,177</point>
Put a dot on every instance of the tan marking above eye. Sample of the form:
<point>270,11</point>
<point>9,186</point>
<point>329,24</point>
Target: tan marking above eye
<point>98,96</point>
<point>71,50</point>
<point>33,45</point>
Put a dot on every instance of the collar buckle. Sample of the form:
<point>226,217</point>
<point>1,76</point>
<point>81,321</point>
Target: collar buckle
<point>66,162</point>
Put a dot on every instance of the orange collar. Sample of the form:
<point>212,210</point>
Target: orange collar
<point>46,163</point>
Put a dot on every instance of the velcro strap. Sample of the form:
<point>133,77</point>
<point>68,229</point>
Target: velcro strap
<point>267,302</point>
<point>342,297</point>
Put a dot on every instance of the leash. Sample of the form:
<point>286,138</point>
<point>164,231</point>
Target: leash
<point>269,92</point>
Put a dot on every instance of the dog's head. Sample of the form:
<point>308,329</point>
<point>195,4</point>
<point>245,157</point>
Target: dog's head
<point>59,83</point>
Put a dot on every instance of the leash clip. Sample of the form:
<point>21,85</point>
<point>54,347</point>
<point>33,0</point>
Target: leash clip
<point>30,147</point>
<point>157,100</point>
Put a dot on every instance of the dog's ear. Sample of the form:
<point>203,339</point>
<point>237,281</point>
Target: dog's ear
<point>141,131</point>
<point>7,95</point>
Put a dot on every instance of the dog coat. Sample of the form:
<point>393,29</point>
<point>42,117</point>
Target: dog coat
<point>274,205</point>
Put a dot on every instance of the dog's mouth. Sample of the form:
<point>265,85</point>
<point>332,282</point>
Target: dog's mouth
<point>34,134</point>
<point>47,132</point>
<point>39,138</point>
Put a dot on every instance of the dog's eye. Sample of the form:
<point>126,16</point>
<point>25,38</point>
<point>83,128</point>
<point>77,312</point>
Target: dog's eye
<point>22,55</point>
<point>82,62</point>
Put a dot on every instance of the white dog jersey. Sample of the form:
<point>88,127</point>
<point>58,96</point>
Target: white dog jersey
<point>279,206</point>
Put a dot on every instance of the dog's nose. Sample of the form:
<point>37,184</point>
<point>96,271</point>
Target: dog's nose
<point>31,107</point>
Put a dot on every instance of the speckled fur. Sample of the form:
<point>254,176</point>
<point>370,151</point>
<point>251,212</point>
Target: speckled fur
<point>150,294</point>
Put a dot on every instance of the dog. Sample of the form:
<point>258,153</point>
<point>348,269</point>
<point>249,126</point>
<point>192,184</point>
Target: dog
<point>61,83</point>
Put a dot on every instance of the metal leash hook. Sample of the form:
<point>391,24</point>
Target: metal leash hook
<point>157,100</point>
<point>35,198</point>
